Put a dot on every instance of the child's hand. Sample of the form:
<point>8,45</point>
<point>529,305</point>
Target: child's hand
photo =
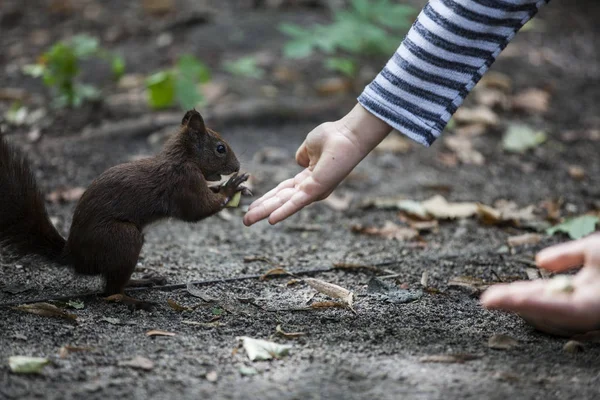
<point>329,153</point>
<point>558,313</point>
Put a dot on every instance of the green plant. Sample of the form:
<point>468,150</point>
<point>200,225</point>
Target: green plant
<point>60,65</point>
<point>178,84</point>
<point>367,27</point>
<point>245,66</point>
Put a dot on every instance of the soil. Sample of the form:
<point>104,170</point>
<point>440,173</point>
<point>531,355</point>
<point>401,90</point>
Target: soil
<point>377,352</point>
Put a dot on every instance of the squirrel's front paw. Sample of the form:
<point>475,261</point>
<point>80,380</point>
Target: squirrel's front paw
<point>233,185</point>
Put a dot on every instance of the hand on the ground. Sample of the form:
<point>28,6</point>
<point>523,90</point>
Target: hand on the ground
<point>328,154</point>
<point>558,313</point>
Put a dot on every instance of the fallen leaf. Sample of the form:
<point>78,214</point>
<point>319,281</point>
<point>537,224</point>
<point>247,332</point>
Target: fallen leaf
<point>533,274</point>
<point>138,362</point>
<point>389,231</point>
<point>438,207</point>
<point>573,346</point>
<point>459,358</point>
<point>552,208</point>
<point>505,212</point>
<point>527,238</point>
<point>158,332</point>
<point>177,307</point>
<point>258,349</point>
<point>478,115</point>
<point>577,227</point>
<point>394,143</point>
<point>65,195</point>
<point>502,342</point>
<point>497,80</point>
<point>424,226</point>
<point>576,172</point>
<point>332,86</point>
<point>448,159</point>
<point>194,291</point>
<point>338,203</point>
<point>391,293</point>
<point>46,310</point>
<point>425,279</point>
<point>463,148</point>
<point>292,335</point>
<point>470,131</point>
<point>248,371</point>
<point>474,284</point>
<point>76,304</point>
<point>332,290</point>
<point>520,138</point>
<point>531,101</point>
<point>274,272</point>
<point>492,98</point>
<point>27,365</point>
<point>66,350</point>
<point>327,304</point>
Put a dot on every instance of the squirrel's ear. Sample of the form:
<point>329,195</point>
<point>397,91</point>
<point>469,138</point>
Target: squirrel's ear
<point>193,120</point>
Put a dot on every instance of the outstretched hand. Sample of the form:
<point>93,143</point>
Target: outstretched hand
<point>563,313</point>
<point>329,153</point>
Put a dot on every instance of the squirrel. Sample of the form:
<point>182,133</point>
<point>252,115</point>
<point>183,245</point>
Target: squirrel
<point>106,234</point>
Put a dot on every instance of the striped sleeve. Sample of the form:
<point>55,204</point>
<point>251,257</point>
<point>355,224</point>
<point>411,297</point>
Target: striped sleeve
<point>447,50</point>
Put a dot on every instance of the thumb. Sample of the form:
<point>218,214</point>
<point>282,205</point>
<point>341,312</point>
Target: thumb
<point>302,155</point>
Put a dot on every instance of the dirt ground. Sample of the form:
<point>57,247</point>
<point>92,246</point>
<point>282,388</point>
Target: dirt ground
<point>377,352</point>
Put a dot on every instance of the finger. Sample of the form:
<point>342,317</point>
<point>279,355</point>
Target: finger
<point>288,183</point>
<point>510,295</point>
<point>297,202</point>
<point>562,256</point>
<point>271,204</point>
<point>302,156</point>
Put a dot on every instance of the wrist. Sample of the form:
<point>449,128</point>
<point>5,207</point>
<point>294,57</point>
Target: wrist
<point>364,128</point>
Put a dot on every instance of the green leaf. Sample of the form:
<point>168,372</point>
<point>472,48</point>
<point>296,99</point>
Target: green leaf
<point>16,114</point>
<point>161,89</point>
<point>339,64</point>
<point>216,311</point>
<point>187,93</point>
<point>190,67</point>
<point>27,365</point>
<point>298,49</point>
<point>577,227</point>
<point>76,304</point>
<point>84,45</point>
<point>87,92</point>
<point>35,70</point>
<point>520,138</point>
<point>117,66</point>
<point>245,66</point>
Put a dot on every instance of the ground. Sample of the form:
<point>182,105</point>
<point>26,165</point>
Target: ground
<point>377,352</point>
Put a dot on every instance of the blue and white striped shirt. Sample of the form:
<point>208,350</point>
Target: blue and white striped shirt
<point>447,50</point>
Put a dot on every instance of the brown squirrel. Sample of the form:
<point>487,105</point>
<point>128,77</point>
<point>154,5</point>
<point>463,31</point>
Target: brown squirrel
<point>106,233</point>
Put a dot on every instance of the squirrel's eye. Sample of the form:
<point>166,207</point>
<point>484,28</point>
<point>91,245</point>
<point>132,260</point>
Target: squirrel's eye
<point>221,149</point>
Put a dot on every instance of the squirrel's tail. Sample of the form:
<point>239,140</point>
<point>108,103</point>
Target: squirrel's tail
<point>25,228</point>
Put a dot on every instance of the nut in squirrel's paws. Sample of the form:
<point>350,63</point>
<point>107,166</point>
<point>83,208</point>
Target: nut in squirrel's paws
<point>236,181</point>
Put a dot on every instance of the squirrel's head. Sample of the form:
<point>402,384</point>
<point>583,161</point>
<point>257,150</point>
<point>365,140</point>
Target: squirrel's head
<point>212,152</point>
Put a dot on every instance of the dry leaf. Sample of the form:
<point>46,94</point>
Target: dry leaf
<point>327,304</point>
<point>177,307</point>
<point>463,148</point>
<point>394,143</point>
<point>332,290</point>
<point>66,350</point>
<point>527,238</point>
<point>274,272</point>
<point>258,349</point>
<point>505,212</point>
<point>438,207</point>
<point>425,279</point>
<point>27,365</point>
<point>449,358</point>
<point>474,284</point>
<point>389,231</point>
<point>46,310</point>
<point>138,362</point>
<point>292,335</point>
<point>576,172</point>
<point>496,80</point>
<point>533,273</point>
<point>333,86</point>
<point>502,342</point>
<point>158,332</point>
<point>448,159</point>
<point>470,131</point>
<point>65,195</point>
<point>532,101</point>
<point>338,203</point>
<point>492,98</point>
<point>424,226</point>
<point>477,115</point>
